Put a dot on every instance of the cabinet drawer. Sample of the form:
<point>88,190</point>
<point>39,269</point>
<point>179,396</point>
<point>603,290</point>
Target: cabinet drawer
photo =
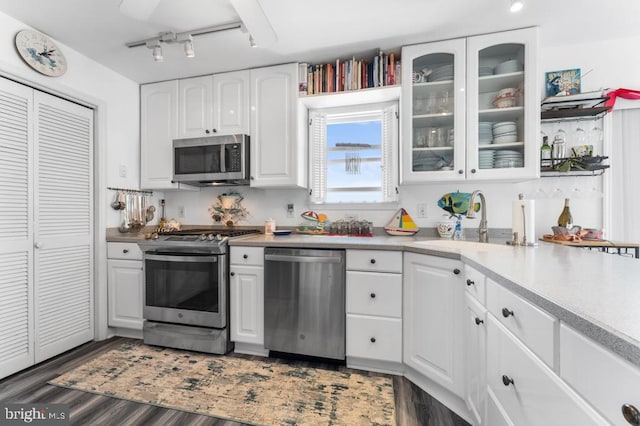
<point>475,283</point>
<point>126,251</point>
<point>536,395</point>
<point>374,338</point>
<point>374,260</point>
<point>247,255</point>
<point>374,294</point>
<point>603,378</point>
<point>528,323</point>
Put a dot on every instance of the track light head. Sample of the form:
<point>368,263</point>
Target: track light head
<point>252,42</point>
<point>156,50</point>
<point>516,5</point>
<point>188,47</point>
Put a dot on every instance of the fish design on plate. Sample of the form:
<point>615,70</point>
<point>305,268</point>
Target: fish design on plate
<point>457,203</point>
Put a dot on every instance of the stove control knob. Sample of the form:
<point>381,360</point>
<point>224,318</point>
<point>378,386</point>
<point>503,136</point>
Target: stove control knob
<point>219,237</point>
<point>203,237</point>
<point>211,237</point>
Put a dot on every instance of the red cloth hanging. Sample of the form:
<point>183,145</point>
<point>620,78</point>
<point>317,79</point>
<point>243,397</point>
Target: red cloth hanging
<point>623,93</point>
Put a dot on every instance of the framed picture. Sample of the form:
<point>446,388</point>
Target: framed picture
<point>560,83</point>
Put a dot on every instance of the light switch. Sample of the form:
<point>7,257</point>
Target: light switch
<point>123,170</point>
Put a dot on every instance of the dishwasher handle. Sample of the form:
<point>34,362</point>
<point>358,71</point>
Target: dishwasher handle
<point>302,259</point>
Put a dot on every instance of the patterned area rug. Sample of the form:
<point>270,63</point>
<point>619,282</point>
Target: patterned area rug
<point>255,392</point>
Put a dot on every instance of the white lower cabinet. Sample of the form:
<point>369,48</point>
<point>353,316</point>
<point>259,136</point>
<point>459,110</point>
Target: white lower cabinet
<point>528,391</point>
<point>247,299</point>
<point>374,310</point>
<point>125,286</point>
<point>433,312</point>
<point>608,382</point>
<point>475,329</point>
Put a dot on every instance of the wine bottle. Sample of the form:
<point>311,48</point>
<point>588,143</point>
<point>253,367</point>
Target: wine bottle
<point>545,152</point>
<point>565,220</point>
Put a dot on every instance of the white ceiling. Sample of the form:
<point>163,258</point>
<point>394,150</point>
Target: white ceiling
<point>307,31</point>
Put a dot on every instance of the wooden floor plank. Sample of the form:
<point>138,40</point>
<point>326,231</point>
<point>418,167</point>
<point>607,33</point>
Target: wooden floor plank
<point>414,407</point>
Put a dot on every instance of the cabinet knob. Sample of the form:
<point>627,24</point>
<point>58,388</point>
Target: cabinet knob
<point>507,313</point>
<point>631,414</point>
<point>251,178</point>
<point>372,261</point>
<point>373,295</point>
<point>125,251</point>
<point>38,244</point>
<point>506,380</point>
<point>473,170</point>
<point>478,321</point>
<point>207,131</point>
<point>245,256</point>
<point>456,271</point>
<point>232,274</point>
<point>470,282</point>
<point>460,171</point>
<point>215,130</point>
<point>373,340</point>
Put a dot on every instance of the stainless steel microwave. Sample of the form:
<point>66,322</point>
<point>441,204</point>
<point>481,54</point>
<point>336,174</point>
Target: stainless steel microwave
<point>214,160</point>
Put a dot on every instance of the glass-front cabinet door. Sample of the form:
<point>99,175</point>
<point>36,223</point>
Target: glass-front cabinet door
<point>503,106</point>
<point>433,99</point>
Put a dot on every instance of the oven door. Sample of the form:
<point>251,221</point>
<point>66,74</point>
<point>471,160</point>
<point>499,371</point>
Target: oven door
<point>186,288</point>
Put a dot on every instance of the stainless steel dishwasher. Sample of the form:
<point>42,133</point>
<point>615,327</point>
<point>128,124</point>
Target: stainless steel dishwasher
<point>304,296</point>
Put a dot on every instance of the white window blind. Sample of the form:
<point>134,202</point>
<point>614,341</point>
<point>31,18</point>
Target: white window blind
<point>354,154</point>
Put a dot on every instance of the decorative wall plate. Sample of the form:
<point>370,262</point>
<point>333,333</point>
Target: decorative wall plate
<point>41,53</point>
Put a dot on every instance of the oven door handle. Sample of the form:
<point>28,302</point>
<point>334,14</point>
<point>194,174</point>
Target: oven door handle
<point>302,259</point>
<point>179,258</point>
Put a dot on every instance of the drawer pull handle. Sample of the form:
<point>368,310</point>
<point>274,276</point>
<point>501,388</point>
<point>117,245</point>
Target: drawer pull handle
<point>506,380</point>
<point>470,282</point>
<point>373,295</point>
<point>372,261</point>
<point>245,256</point>
<point>507,313</point>
<point>373,340</point>
<point>456,271</point>
<point>232,274</point>
<point>631,414</point>
<point>478,321</point>
<point>125,251</point>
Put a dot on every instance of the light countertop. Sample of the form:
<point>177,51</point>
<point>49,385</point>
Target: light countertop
<point>597,294</point>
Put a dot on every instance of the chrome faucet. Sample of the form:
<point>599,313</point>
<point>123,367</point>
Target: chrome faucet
<point>483,234</point>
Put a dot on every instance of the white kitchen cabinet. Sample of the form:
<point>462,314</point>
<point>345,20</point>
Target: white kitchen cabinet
<point>528,391</point>
<point>213,105</point>
<point>125,286</point>
<point>476,357</point>
<point>158,129</point>
<point>433,290</point>
<point>278,155</point>
<point>46,246</point>
<point>442,114</point>
<point>604,379</point>
<point>247,299</point>
<point>374,310</point>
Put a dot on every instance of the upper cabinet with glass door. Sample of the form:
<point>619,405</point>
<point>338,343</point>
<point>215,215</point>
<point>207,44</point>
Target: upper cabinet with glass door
<point>503,106</point>
<point>433,141</point>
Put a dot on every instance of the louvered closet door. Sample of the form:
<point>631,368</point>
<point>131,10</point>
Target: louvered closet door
<point>16,233</point>
<point>63,225</point>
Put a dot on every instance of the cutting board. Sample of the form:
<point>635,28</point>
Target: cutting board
<point>589,243</point>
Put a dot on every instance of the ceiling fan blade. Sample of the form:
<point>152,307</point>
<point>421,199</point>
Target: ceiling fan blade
<point>138,9</point>
<point>255,20</point>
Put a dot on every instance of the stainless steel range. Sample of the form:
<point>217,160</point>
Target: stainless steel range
<point>186,303</point>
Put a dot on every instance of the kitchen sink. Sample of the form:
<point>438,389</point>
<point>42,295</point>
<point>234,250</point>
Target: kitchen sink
<point>464,245</point>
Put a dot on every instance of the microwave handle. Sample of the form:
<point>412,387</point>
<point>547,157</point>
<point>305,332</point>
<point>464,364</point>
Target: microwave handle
<point>223,158</point>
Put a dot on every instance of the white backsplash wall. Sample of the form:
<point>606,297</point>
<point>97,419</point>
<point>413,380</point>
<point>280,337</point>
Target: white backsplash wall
<point>549,193</point>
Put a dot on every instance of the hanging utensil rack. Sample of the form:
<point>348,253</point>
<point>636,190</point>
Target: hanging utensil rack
<point>139,191</point>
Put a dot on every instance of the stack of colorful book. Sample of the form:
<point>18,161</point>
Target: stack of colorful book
<point>353,74</point>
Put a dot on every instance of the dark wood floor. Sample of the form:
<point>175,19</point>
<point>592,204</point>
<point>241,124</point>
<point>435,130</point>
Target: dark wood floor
<point>413,406</point>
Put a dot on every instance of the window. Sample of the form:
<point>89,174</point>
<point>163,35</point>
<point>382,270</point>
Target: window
<point>354,154</point>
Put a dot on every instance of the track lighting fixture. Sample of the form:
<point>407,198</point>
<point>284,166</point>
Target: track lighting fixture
<point>516,5</point>
<point>252,42</point>
<point>185,38</point>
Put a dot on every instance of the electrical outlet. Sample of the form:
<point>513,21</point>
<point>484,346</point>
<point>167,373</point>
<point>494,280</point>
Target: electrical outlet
<point>422,210</point>
<point>182,211</point>
<point>290,210</point>
<point>123,171</point>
